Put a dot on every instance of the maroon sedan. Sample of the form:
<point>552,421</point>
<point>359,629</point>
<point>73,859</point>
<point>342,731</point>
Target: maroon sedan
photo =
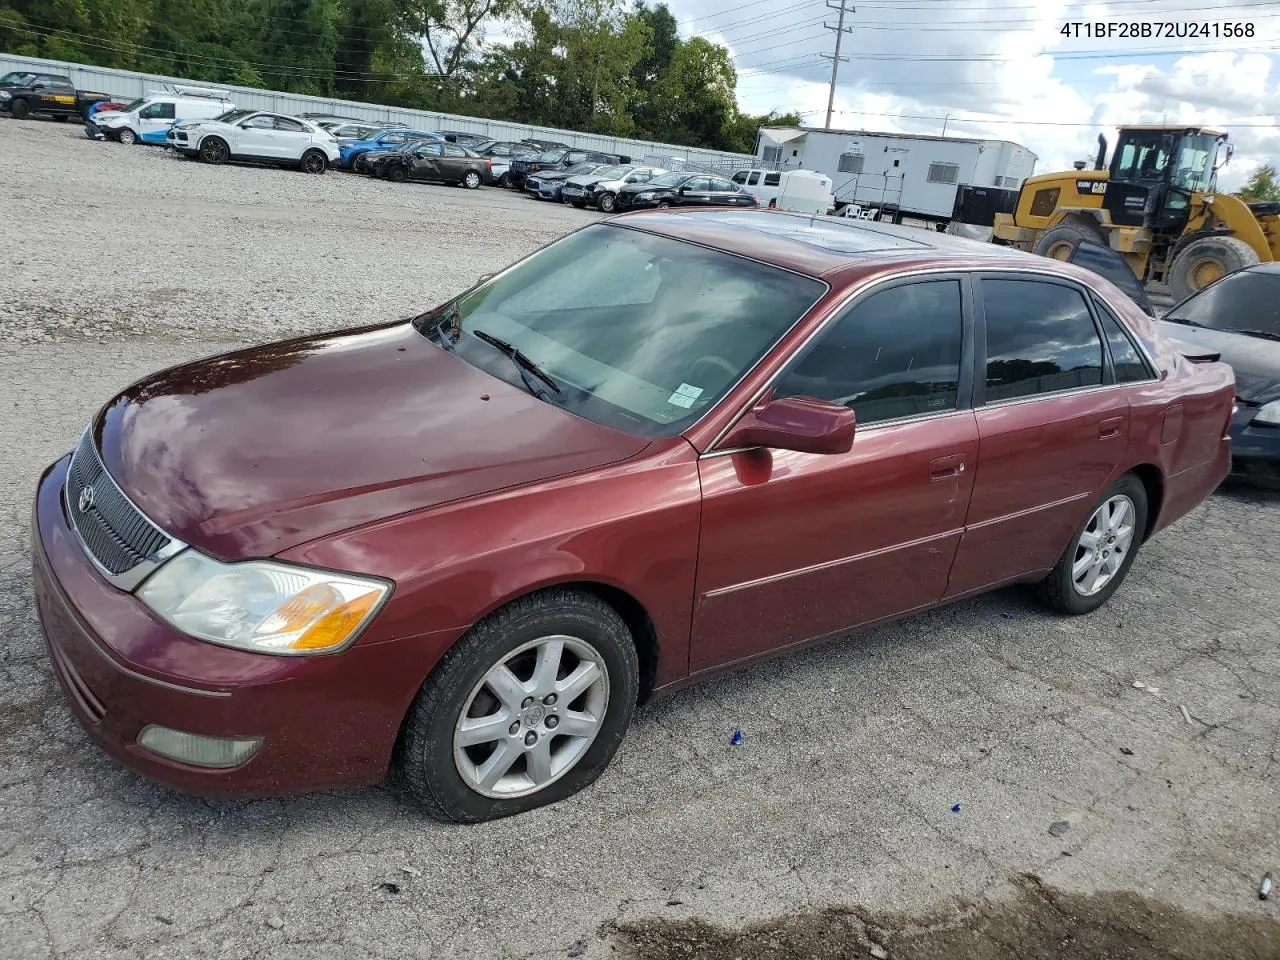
<point>469,544</point>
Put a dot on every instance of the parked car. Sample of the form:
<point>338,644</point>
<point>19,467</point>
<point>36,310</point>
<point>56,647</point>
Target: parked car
<point>26,93</point>
<point>549,184</point>
<point>660,447</point>
<point>445,162</point>
<point>385,140</point>
<point>679,189</point>
<point>256,137</point>
<point>501,152</point>
<point>371,162</point>
<point>556,159</point>
<point>468,140</point>
<point>148,119</point>
<point>1238,318</point>
<point>600,189</point>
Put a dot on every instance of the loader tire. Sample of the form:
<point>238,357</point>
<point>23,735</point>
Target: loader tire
<point>1059,242</point>
<point>1206,261</point>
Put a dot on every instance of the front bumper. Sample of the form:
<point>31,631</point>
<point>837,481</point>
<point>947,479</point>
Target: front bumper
<point>327,721</point>
<point>1255,448</point>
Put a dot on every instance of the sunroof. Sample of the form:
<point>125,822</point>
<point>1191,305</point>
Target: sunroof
<point>823,233</point>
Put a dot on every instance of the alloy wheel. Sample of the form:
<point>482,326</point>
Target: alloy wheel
<point>128,137</point>
<point>1103,546</point>
<point>532,717</point>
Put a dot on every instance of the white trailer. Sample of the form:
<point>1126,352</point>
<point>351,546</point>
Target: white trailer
<point>897,177</point>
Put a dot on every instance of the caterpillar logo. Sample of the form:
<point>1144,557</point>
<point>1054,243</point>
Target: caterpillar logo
<point>1088,187</point>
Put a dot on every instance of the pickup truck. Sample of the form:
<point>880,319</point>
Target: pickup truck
<point>25,93</point>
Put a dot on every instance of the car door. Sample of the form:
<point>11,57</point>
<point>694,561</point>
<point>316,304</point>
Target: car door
<point>292,138</point>
<point>424,162</point>
<point>1051,428</point>
<point>154,121</point>
<point>58,95</point>
<point>725,193</point>
<point>696,191</point>
<point>795,545</point>
<point>453,163</point>
<point>255,137</point>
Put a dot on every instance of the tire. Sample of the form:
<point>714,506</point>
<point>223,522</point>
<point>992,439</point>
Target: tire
<point>214,150</point>
<point>1204,261</point>
<point>314,162</point>
<point>607,203</point>
<point>472,180</point>
<point>397,174</point>
<point>1057,243</point>
<point>504,181</point>
<point>20,109</point>
<point>127,136</point>
<point>62,117</point>
<point>664,204</point>
<point>1064,589</point>
<point>430,764</point>
<point>580,204</point>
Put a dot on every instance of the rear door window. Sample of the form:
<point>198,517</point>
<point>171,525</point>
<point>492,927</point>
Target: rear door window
<point>1040,339</point>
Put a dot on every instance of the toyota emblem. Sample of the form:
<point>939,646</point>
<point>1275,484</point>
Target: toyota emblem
<point>86,499</point>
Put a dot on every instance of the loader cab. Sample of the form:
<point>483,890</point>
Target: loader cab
<point>1154,173</point>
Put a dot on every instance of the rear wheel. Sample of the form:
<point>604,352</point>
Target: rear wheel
<point>1099,556</point>
<point>20,109</point>
<point>214,150</point>
<point>1058,243</point>
<point>472,180</point>
<point>1207,261</point>
<point>315,162</point>
<point>526,709</point>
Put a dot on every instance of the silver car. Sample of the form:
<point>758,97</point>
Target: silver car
<point>599,189</point>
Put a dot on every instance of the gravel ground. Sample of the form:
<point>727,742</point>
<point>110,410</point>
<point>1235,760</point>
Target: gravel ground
<point>915,773</point>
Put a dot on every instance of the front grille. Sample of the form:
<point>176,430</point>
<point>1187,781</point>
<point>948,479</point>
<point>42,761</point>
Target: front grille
<point>113,530</point>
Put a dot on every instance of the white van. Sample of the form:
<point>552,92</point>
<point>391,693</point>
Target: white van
<point>804,191</point>
<point>148,120</point>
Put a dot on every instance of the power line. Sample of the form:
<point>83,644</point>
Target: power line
<point>1022,123</point>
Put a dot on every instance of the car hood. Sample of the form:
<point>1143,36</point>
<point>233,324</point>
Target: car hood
<point>107,115</point>
<point>1256,362</point>
<point>583,179</point>
<point>251,453</point>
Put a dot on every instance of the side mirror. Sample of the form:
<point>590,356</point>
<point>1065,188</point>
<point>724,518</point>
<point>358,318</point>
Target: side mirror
<point>682,191</point>
<point>803,424</point>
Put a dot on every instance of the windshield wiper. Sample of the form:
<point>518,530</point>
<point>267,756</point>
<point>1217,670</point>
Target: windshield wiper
<point>1263,334</point>
<point>1183,320</point>
<point>528,369</point>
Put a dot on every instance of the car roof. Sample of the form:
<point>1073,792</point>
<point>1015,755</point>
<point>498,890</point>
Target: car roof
<point>833,248</point>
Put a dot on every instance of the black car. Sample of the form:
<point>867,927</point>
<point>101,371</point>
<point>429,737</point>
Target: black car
<point>373,162</point>
<point>683,190</point>
<point>433,160</point>
<point>560,158</point>
<point>25,93</point>
<point>1238,317</point>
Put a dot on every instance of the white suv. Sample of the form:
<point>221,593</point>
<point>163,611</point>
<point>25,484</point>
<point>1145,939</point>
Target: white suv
<point>258,138</point>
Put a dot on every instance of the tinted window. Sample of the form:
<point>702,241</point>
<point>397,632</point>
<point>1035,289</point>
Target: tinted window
<point>723,186</point>
<point>293,126</point>
<point>1040,339</point>
<point>894,354</point>
<point>1248,300</point>
<point>755,178</point>
<point>395,138</point>
<point>261,123</point>
<point>740,177</point>
<point>454,151</point>
<point>428,150</point>
<point>772,179</point>
<point>697,183</point>
<point>1125,358</point>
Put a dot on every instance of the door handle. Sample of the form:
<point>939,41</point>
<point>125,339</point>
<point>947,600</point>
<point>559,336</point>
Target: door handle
<point>1110,428</point>
<point>945,468</point>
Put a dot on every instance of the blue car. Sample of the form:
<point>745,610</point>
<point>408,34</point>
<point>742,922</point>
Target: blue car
<point>385,140</point>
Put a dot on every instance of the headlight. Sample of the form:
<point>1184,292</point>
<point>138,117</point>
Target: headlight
<point>262,606</point>
<point>5,95</point>
<point>1268,414</point>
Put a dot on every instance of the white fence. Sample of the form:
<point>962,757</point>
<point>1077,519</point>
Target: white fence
<point>130,85</point>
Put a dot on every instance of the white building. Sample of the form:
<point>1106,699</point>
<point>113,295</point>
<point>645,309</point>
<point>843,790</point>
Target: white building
<point>897,174</point>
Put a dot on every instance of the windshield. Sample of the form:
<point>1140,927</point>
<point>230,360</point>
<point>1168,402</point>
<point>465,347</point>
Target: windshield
<point>1194,163</point>
<point>649,338</point>
<point>136,105</point>
<point>552,156</point>
<point>612,173</point>
<point>1247,300</point>
<point>580,168</point>
<point>18,78</point>
<point>668,180</point>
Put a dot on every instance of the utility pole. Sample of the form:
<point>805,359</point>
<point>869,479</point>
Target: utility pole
<point>840,30</point>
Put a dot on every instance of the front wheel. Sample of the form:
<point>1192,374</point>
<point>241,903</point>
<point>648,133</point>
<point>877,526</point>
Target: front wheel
<point>397,175</point>
<point>525,710</point>
<point>504,180</point>
<point>1205,261</point>
<point>472,180</point>
<point>214,150</point>
<point>664,204</point>
<point>20,109</point>
<point>1099,556</point>
<point>607,203</point>
<point>314,162</point>
<point>127,137</point>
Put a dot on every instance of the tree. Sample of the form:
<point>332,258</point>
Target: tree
<point>1263,185</point>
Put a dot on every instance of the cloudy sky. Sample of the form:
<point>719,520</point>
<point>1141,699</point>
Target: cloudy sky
<point>1003,69</point>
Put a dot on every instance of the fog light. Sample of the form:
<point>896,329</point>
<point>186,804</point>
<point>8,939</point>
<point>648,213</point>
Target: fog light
<point>197,749</point>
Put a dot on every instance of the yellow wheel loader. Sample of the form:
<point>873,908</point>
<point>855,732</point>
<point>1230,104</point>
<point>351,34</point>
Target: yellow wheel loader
<point>1156,204</point>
